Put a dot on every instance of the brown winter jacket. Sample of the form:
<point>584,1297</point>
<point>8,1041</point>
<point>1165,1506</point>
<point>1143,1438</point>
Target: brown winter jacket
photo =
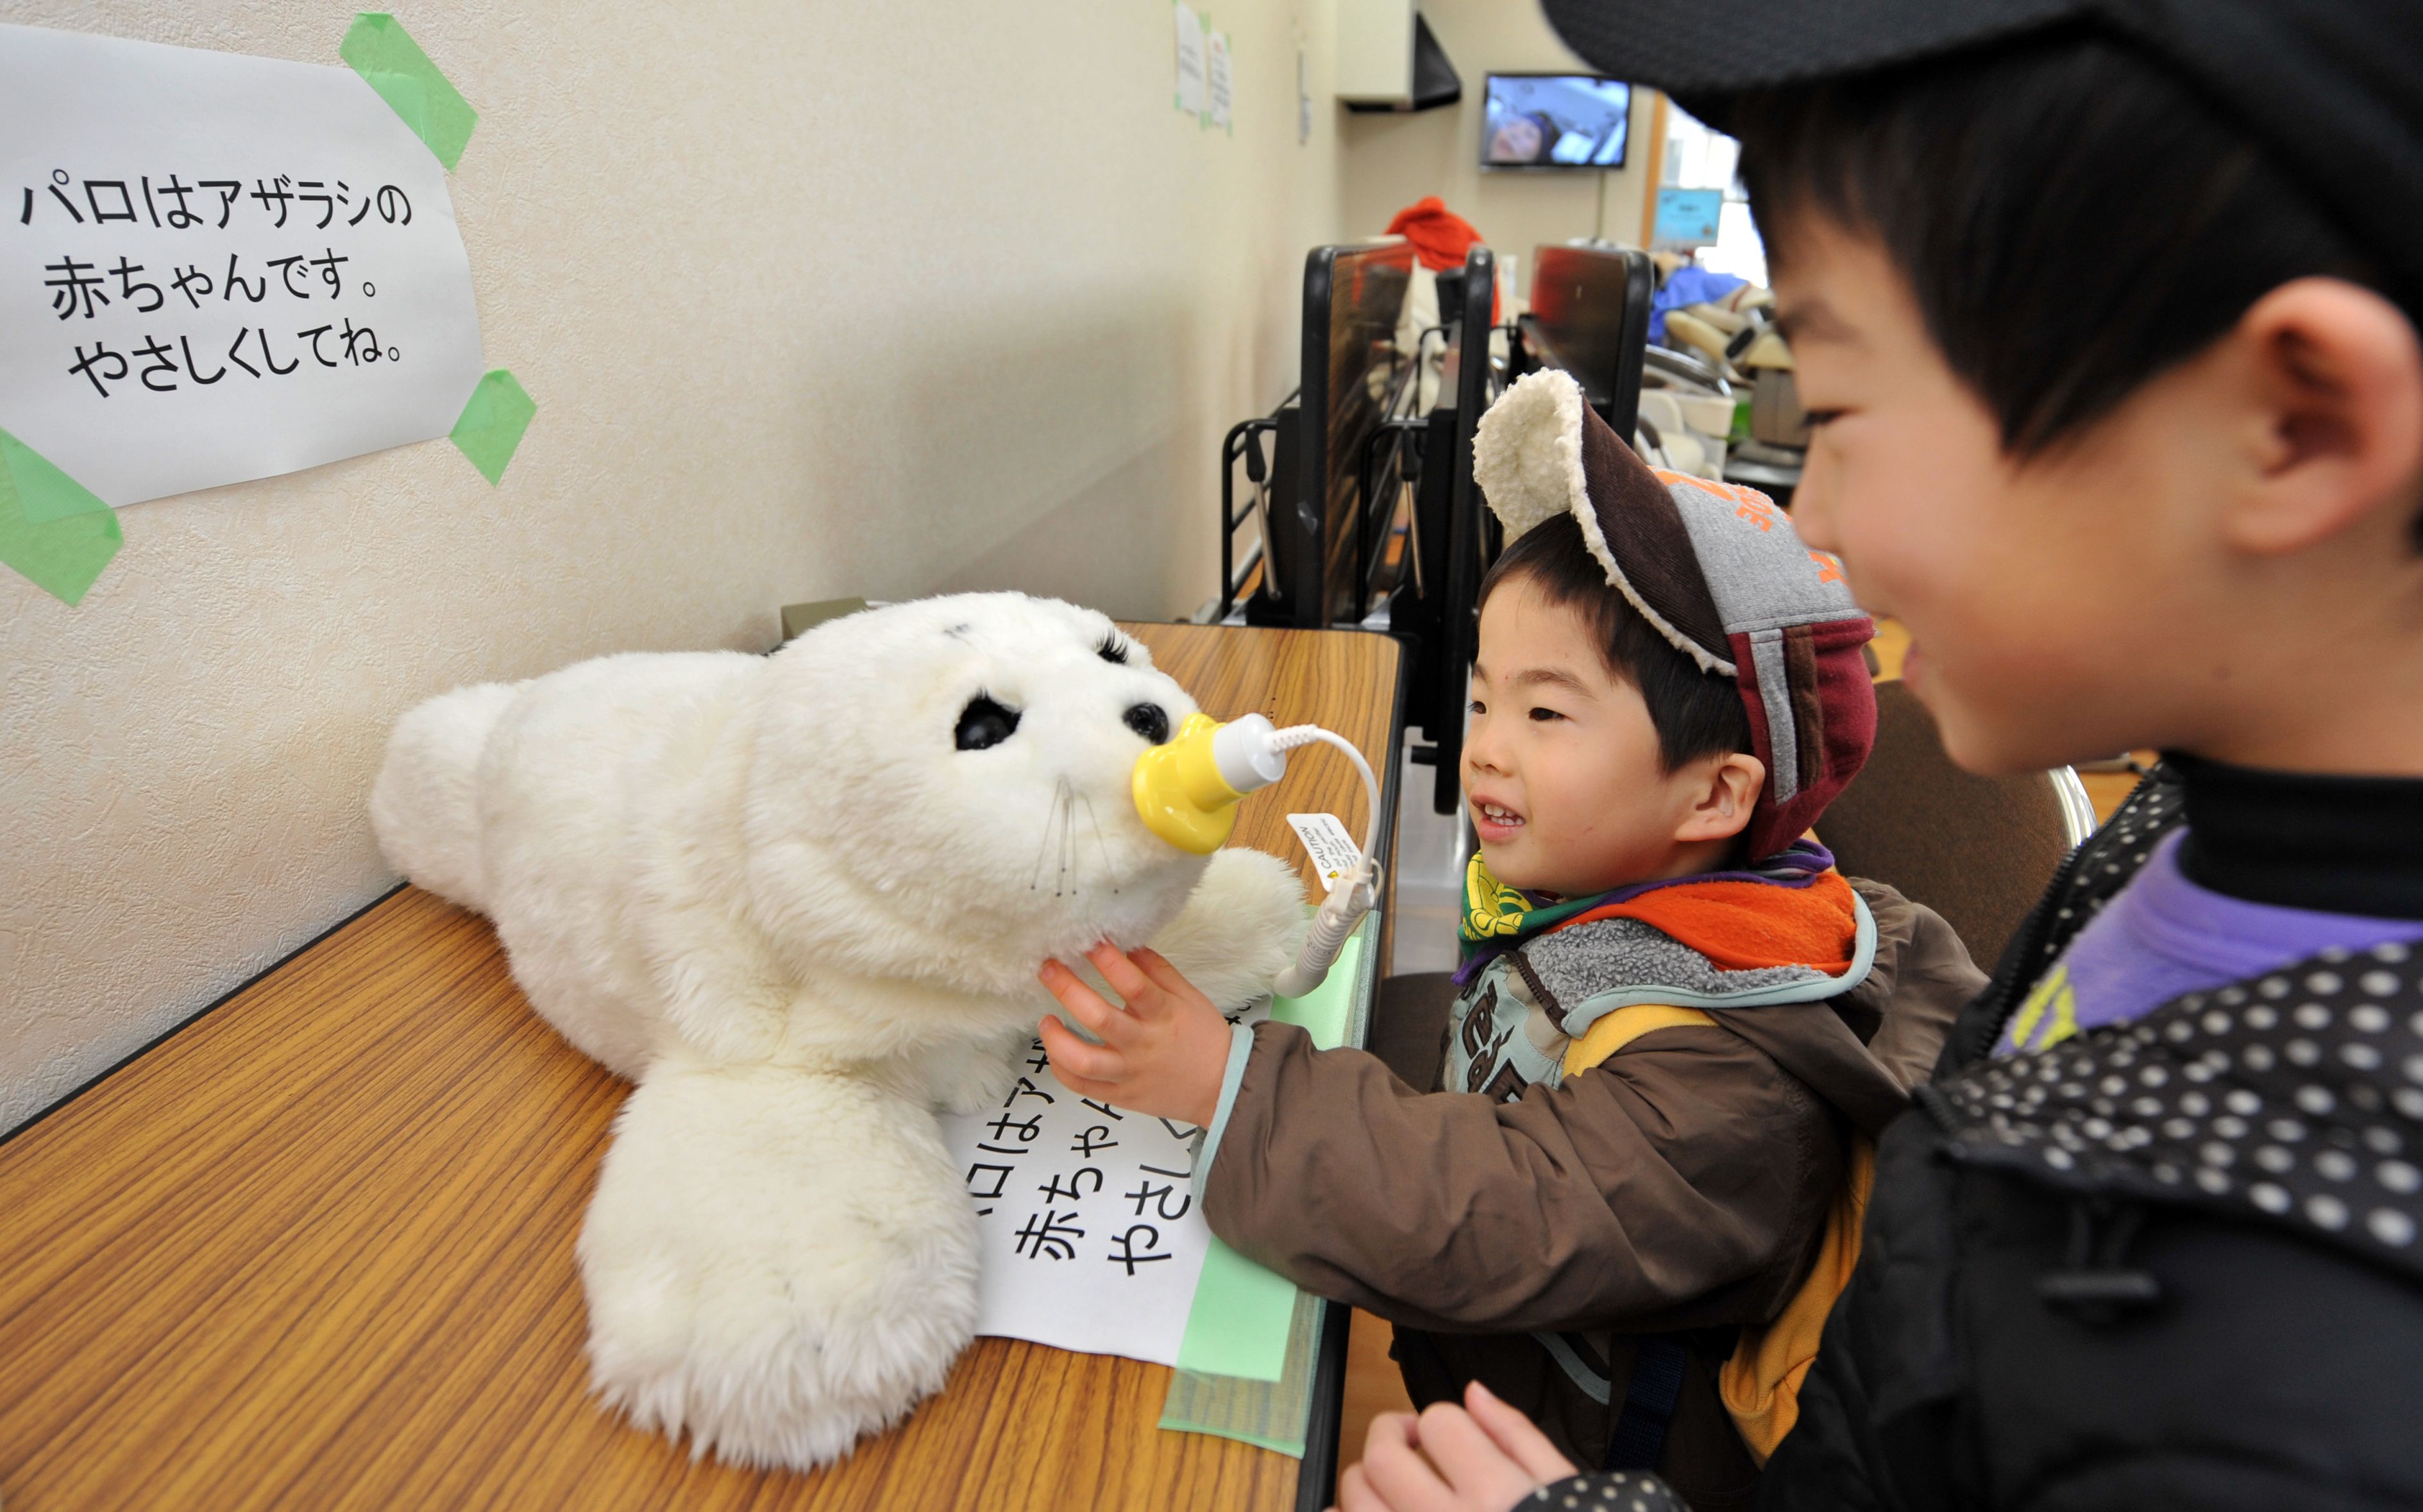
<point>1680,1184</point>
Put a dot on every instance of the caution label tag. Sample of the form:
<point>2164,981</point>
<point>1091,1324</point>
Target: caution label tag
<point>1334,853</point>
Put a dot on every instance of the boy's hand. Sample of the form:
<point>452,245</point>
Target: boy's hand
<point>1483,1456</point>
<point>1162,1054</point>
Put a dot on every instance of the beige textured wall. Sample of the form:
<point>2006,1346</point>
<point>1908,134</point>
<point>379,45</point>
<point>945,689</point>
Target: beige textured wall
<point>815,299</point>
<point>1392,160</point>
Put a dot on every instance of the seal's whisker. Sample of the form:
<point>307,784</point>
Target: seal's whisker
<point>1043,843</point>
<point>1067,834</point>
<point>1099,843</point>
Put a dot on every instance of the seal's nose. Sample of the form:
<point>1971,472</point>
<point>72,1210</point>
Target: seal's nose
<point>1150,720</point>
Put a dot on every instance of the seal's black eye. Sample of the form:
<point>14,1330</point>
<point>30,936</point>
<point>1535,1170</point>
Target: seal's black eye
<point>1148,720</point>
<point>984,724</point>
<point>1112,648</point>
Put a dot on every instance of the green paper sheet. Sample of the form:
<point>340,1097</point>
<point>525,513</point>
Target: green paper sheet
<point>1244,1364</point>
<point>377,47</point>
<point>493,421</point>
<point>51,529</point>
<point>1238,1323</point>
<point>1271,1415</point>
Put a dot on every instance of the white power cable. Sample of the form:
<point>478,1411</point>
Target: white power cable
<point>1296,737</point>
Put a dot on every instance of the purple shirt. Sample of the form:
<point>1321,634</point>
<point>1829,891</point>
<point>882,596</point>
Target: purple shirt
<point>2163,936</point>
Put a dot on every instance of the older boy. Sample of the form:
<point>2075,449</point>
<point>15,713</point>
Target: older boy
<point>2106,312</point>
<point>1675,1013</point>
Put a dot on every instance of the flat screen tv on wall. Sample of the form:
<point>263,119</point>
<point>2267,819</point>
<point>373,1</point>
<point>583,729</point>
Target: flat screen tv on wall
<point>1555,121</point>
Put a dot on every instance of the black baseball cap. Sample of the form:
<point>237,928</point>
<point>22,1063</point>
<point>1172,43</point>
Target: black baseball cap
<point>2333,90</point>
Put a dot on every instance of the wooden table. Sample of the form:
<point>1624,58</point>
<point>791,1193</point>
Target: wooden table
<point>315,1249</point>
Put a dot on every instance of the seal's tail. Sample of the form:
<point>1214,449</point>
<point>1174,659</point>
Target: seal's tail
<point>425,805</point>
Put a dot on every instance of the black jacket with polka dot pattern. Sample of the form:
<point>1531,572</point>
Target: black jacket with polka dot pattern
<point>2176,1262</point>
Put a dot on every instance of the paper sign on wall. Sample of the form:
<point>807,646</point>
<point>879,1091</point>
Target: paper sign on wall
<point>1217,81</point>
<point>215,268</point>
<point>1688,217</point>
<point>1190,59</point>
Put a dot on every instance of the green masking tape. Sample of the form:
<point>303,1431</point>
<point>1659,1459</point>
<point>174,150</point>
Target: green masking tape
<point>377,48</point>
<point>53,528</point>
<point>493,422</point>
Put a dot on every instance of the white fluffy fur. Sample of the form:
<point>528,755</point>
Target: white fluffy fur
<point>773,892</point>
<point>1527,456</point>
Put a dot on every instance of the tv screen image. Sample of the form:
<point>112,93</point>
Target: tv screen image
<point>1555,121</point>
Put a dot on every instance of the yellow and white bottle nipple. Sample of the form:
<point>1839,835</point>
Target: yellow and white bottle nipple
<point>1186,791</point>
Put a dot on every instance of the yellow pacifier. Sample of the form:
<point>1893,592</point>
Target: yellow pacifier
<point>1186,790</point>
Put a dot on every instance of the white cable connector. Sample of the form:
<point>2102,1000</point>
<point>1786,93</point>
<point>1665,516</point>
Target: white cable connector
<point>1251,754</point>
<point>1247,753</point>
<point>1332,923</point>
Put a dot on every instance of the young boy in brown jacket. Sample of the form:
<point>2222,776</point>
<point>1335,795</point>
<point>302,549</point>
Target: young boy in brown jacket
<point>1674,1017</point>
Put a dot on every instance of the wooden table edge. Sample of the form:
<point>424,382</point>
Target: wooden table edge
<point>1317,1471</point>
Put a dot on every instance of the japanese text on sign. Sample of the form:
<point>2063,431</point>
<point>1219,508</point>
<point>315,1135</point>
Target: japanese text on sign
<point>1091,1234</point>
<point>216,267</point>
<point>82,289</point>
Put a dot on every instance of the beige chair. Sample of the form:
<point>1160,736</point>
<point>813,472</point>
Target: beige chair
<point>1978,850</point>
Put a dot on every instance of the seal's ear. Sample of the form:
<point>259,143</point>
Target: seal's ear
<point>1526,452</point>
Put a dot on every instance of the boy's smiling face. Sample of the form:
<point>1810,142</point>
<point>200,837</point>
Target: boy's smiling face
<point>2023,589</point>
<point>2185,573</point>
<point>1561,770</point>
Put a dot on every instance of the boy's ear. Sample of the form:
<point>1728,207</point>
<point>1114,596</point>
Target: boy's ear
<point>1724,798</point>
<point>2336,374</point>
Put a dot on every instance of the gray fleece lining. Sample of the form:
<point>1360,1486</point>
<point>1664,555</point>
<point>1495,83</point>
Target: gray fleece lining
<point>1585,961</point>
<point>1594,968</point>
<point>1775,696</point>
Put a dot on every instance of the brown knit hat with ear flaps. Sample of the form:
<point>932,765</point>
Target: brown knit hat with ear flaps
<point>1720,572</point>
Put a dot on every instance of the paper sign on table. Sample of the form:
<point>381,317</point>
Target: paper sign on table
<point>216,267</point>
<point>1089,1235</point>
<point>1089,1238</point>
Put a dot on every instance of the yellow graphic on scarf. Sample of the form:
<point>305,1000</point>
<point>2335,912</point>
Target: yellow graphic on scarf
<point>2053,992</point>
<point>1490,906</point>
